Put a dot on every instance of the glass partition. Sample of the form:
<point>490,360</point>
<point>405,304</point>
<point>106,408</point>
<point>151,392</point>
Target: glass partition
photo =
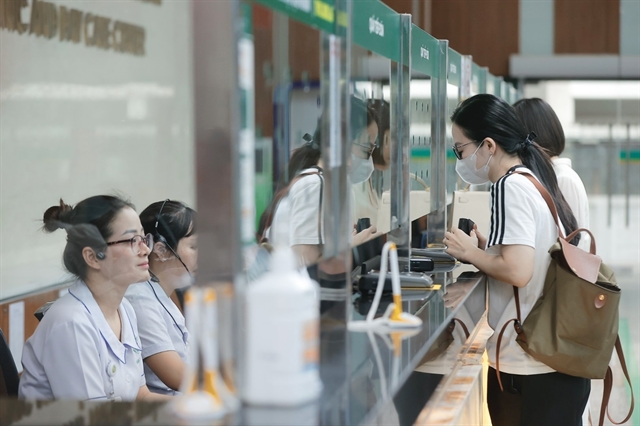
<point>374,52</point>
<point>453,99</point>
<point>289,183</point>
<point>477,80</point>
<point>491,84</point>
<point>424,54</point>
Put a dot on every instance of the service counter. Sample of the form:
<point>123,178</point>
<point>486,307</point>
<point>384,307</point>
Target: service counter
<point>368,377</point>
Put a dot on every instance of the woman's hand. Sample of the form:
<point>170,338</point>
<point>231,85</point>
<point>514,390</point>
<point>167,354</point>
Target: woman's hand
<point>459,244</point>
<point>363,236</point>
<point>482,240</point>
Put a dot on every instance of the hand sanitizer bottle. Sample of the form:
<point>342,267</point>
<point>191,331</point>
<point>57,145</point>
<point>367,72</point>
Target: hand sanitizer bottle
<point>282,336</point>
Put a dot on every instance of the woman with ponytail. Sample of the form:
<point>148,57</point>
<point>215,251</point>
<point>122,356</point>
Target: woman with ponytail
<point>492,144</point>
<point>87,345</point>
<point>538,116</point>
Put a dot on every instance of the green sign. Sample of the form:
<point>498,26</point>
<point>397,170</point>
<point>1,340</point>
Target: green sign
<point>632,156</point>
<point>376,27</point>
<point>454,68</point>
<point>425,51</point>
<point>315,13</point>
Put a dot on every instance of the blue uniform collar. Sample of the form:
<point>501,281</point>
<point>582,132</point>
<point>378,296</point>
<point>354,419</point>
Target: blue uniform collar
<point>80,291</point>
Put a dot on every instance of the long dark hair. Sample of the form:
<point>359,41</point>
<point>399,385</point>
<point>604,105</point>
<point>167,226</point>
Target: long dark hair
<point>537,115</point>
<point>383,113</point>
<point>487,116</point>
<point>88,224</point>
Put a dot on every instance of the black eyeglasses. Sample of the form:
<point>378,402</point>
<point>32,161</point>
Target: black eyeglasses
<point>458,152</point>
<point>366,148</point>
<point>135,242</point>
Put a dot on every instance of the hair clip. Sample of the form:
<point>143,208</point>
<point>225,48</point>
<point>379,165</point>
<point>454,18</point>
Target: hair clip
<point>310,142</point>
<point>530,138</point>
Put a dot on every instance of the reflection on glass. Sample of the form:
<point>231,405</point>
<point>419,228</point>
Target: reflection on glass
<point>420,162</point>
<point>371,196</point>
<point>289,175</point>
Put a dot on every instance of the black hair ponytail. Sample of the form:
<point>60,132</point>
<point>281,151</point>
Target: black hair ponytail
<point>487,116</point>
<point>535,158</point>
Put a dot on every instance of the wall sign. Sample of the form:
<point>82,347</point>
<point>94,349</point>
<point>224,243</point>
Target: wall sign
<point>65,24</point>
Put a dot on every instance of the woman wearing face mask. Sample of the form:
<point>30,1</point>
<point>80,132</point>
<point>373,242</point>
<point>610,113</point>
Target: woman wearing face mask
<point>87,345</point>
<point>173,261</point>
<point>294,217</point>
<point>538,115</point>
<point>491,144</point>
<point>367,198</point>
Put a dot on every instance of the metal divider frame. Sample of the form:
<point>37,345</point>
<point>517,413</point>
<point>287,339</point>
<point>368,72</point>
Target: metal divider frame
<point>217,133</point>
<point>335,72</point>
<point>400,155</point>
<point>437,219</point>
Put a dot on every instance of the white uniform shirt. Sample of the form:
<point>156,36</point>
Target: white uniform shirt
<point>74,354</point>
<point>366,202</point>
<point>161,326</point>
<point>519,216</point>
<point>298,217</point>
<point>574,192</point>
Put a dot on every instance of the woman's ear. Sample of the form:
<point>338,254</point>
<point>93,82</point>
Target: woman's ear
<point>491,145</point>
<point>91,258</point>
<point>161,252</point>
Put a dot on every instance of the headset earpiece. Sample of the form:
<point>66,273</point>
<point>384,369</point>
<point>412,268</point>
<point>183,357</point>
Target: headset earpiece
<point>100,255</point>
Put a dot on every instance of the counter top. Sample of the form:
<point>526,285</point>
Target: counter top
<point>367,377</point>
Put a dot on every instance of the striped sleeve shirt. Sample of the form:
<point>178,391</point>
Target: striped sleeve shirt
<point>515,210</point>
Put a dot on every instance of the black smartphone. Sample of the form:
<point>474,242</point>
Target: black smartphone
<point>363,223</point>
<point>465,225</point>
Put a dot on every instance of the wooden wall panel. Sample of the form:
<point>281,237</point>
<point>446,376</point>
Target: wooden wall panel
<point>486,29</point>
<point>263,45</point>
<point>587,26</point>
<point>304,51</point>
<point>31,304</point>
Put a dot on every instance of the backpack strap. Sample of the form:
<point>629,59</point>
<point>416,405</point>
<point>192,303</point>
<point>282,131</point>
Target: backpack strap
<point>516,324</point>
<point>546,196</point>
<point>320,239</point>
<point>608,384</point>
<point>462,324</point>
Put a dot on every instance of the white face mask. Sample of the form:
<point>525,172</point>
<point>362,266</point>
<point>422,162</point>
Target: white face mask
<point>466,168</point>
<point>361,169</point>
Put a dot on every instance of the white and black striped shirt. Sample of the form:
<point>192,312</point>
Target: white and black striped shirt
<point>519,216</point>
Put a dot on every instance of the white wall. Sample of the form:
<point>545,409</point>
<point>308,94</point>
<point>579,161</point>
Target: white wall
<point>76,121</point>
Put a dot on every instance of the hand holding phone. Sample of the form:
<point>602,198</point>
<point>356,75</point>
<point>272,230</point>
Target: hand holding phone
<point>363,223</point>
<point>466,225</point>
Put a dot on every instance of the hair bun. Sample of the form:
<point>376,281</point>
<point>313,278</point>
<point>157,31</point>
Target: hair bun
<point>57,217</point>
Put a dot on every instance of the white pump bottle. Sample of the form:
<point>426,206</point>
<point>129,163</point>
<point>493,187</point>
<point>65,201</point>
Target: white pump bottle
<point>282,346</point>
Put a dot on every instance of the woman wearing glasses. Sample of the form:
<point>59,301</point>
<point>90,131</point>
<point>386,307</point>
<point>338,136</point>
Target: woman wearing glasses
<point>492,144</point>
<point>87,345</point>
<point>174,260</point>
<point>294,217</point>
